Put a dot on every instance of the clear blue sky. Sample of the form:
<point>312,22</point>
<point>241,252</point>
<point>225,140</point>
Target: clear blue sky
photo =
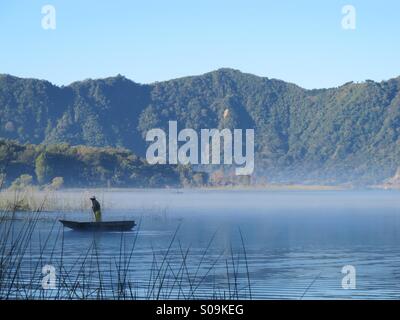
<point>297,41</point>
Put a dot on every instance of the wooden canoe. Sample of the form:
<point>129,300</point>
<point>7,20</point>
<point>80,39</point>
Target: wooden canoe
<point>99,226</point>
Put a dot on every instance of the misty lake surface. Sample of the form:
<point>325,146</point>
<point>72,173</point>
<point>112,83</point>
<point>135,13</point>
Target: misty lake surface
<point>188,244</point>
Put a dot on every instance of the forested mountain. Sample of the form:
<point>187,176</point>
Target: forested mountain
<point>346,134</point>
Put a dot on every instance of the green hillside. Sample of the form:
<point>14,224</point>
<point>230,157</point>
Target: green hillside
<point>344,134</point>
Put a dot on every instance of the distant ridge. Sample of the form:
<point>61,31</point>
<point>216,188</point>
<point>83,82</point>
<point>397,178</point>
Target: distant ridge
<point>349,133</point>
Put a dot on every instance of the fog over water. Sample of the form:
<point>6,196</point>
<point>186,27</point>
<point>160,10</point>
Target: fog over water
<point>296,242</point>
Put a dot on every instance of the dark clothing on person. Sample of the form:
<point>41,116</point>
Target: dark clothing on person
<point>96,209</point>
<point>95,205</point>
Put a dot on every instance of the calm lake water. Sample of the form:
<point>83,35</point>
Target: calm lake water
<point>188,244</point>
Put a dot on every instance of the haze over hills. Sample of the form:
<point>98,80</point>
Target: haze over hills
<point>346,134</point>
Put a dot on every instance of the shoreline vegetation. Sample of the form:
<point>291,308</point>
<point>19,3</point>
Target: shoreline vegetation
<point>62,165</point>
<point>28,168</point>
<point>33,199</point>
<point>40,176</point>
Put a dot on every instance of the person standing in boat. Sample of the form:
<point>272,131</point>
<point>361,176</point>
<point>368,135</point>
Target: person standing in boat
<point>96,209</point>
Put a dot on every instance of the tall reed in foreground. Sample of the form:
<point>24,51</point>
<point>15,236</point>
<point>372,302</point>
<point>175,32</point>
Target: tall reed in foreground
<point>174,272</point>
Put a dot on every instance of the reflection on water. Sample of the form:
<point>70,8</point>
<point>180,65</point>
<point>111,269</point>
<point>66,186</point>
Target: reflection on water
<point>295,244</point>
